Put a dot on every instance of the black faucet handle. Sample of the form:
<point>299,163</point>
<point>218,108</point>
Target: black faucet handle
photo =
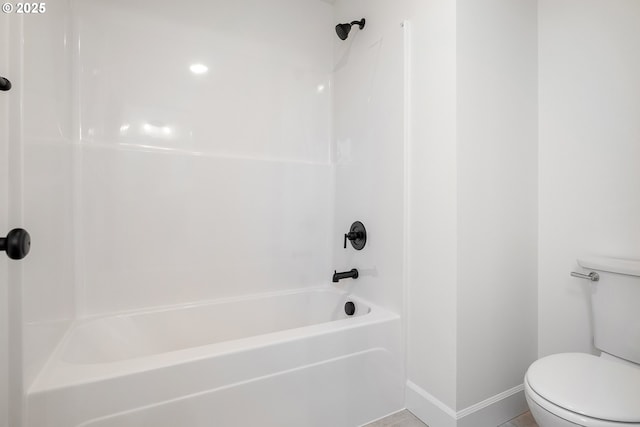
<point>347,236</point>
<point>352,235</point>
<point>357,235</point>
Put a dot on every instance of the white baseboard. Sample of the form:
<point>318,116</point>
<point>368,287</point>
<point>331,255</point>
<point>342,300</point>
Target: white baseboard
<point>428,408</point>
<point>489,413</point>
<point>496,410</point>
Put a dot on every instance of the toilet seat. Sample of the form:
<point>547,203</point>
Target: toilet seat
<point>571,417</point>
<point>586,390</point>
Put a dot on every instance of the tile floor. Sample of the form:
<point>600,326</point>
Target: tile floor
<point>399,419</point>
<point>407,419</point>
<point>524,420</point>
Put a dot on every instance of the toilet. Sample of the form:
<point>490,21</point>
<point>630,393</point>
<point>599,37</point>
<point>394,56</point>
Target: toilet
<point>578,389</point>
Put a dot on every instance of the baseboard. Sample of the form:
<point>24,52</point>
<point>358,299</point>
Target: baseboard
<point>491,412</point>
<point>496,410</point>
<point>428,408</point>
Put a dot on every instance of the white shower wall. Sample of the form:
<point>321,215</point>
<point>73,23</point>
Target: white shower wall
<point>369,149</point>
<point>42,188</point>
<point>236,199</point>
<point>196,187</point>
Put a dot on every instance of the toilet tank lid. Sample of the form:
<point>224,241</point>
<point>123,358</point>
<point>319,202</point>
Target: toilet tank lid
<point>588,385</point>
<point>613,265</point>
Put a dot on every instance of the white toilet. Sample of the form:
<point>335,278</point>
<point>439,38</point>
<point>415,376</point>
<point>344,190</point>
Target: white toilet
<point>570,389</point>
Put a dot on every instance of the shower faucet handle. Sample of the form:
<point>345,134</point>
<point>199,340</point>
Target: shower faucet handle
<point>352,235</point>
<point>357,235</point>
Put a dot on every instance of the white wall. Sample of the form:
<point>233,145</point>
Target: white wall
<point>47,183</point>
<point>589,56</point>
<point>472,288</point>
<point>432,212</point>
<point>203,186</point>
<point>497,196</point>
<point>588,133</point>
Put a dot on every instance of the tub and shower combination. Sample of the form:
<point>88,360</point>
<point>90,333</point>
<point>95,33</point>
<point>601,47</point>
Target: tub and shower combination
<point>292,358</point>
<point>204,160</point>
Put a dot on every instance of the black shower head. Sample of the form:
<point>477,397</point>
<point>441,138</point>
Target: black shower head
<point>342,30</point>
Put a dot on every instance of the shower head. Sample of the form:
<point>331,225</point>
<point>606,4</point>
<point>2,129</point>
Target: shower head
<point>342,30</point>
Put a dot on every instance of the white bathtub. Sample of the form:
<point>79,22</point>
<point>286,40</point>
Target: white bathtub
<point>287,359</point>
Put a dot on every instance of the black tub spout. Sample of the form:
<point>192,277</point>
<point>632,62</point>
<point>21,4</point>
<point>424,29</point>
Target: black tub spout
<point>353,273</point>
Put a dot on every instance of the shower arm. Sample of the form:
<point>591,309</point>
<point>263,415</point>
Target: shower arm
<point>360,23</point>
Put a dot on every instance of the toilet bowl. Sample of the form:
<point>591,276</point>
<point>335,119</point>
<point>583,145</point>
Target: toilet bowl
<point>578,389</point>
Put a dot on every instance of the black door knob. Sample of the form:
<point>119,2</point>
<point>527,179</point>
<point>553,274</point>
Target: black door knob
<point>5,84</point>
<point>17,243</point>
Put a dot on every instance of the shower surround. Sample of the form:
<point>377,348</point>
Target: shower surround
<point>204,155</point>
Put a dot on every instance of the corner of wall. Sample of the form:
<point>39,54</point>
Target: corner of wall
<point>491,412</point>
<point>431,343</point>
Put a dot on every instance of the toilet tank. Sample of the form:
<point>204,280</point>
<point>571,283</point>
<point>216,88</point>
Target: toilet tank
<point>615,300</point>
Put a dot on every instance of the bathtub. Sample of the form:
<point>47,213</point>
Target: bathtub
<point>291,358</point>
